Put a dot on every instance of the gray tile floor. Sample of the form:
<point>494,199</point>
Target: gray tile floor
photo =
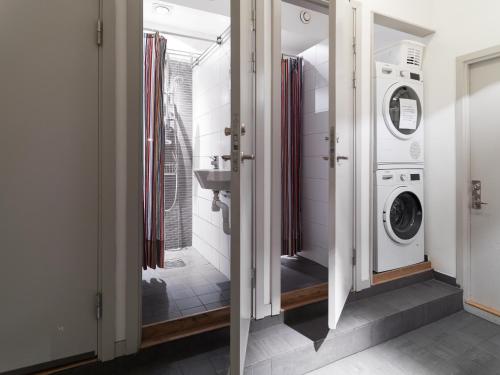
<point>459,344</point>
<point>171,293</point>
<point>298,272</point>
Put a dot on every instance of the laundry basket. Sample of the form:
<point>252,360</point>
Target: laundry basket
<point>407,53</point>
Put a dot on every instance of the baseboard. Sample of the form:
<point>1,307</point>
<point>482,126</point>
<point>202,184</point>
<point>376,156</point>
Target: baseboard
<point>55,366</point>
<point>120,348</point>
<point>445,278</point>
<point>384,277</point>
<point>392,285</point>
<point>482,313</point>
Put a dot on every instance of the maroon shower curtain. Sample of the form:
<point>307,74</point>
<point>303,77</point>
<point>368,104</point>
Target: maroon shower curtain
<point>291,129</point>
<point>153,158</point>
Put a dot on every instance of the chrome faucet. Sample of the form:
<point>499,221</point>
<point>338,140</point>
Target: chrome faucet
<point>215,161</point>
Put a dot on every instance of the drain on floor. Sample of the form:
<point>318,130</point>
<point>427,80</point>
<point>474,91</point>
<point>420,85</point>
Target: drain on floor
<point>175,263</point>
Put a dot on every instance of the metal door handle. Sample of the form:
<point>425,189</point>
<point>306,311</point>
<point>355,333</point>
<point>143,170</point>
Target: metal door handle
<point>225,157</point>
<point>342,158</point>
<point>247,157</point>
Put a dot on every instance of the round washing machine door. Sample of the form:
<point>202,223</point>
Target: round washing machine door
<point>402,121</point>
<point>403,215</point>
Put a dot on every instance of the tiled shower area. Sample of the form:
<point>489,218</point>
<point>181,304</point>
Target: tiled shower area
<point>195,278</point>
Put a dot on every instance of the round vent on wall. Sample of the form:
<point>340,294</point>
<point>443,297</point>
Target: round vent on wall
<point>305,16</point>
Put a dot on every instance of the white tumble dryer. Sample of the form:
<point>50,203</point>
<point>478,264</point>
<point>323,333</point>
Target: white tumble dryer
<point>399,219</point>
<point>399,130</point>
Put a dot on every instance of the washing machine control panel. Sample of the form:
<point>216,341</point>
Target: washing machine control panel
<point>396,177</point>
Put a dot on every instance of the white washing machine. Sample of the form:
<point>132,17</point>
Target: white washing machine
<point>399,130</point>
<point>399,219</point>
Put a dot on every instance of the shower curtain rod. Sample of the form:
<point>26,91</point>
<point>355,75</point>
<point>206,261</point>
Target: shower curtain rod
<point>287,55</point>
<point>221,39</point>
<point>181,35</point>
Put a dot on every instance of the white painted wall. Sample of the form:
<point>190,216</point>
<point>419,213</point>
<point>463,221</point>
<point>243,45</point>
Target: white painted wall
<point>462,27</point>
<point>211,114</point>
<point>314,147</point>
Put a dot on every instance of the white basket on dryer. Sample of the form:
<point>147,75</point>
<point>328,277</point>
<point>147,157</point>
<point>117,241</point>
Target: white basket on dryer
<point>407,53</point>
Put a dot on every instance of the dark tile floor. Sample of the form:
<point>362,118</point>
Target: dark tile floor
<point>298,272</point>
<point>204,354</point>
<point>173,292</point>
<point>459,344</point>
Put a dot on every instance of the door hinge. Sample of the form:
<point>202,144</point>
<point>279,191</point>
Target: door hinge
<point>99,32</point>
<point>353,257</point>
<point>98,306</point>
<point>354,79</point>
<point>253,63</point>
<point>253,16</point>
<point>254,278</point>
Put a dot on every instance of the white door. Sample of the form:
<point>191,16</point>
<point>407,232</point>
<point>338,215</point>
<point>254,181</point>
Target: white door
<point>485,219</point>
<point>242,146</point>
<point>341,114</point>
<point>49,155</point>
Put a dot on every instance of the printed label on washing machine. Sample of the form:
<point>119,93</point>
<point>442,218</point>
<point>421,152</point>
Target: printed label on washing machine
<point>408,114</point>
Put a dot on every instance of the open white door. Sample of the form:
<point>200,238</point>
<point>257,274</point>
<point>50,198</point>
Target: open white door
<point>242,148</point>
<point>341,112</point>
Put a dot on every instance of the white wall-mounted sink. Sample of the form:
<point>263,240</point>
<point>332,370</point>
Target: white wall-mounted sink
<point>214,179</point>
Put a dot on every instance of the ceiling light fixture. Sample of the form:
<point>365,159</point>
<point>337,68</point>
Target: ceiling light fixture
<point>162,9</point>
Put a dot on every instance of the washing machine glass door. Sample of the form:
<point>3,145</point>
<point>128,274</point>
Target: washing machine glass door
<point>402,111</point>
<point>403,215</point>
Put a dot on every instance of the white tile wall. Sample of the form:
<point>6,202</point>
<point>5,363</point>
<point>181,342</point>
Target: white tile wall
<point>315,145</point>
<point>211,114</point>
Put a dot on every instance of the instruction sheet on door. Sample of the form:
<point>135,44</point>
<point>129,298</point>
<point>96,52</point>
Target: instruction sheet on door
<point>408,114</point>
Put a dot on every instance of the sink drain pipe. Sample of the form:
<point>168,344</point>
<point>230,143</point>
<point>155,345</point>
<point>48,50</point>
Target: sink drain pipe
<point>218,205</point>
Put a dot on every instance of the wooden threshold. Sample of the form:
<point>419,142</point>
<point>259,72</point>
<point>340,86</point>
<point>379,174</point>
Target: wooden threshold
<point>305,296</point>
<point>384,277</point>
<point>489,310</point>
<point>158,333</point>
<point>66,367</point>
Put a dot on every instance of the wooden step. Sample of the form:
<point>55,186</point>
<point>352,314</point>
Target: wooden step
<point>305,296</point>
<point>158,333</point>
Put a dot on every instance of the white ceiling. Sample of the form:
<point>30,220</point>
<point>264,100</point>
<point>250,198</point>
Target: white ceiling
<point>296,36</point>
<point>209,18</point>
<point>191,18</point>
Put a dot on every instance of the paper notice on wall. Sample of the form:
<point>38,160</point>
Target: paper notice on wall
<point>408,114</point>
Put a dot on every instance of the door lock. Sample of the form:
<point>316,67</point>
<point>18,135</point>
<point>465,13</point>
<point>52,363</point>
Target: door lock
<point>477,203</point>
<point>247,157</point>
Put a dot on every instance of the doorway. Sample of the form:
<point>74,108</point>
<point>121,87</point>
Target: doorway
<point>186,262</point>
<point>304,148</point>
<point>478,205</point>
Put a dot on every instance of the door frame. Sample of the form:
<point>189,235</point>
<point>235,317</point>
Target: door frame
<point>463,174</point>
<point>106,334</point>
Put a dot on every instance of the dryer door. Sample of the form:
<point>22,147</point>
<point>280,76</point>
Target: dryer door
<point>403,215</point>
<point>402,110</point>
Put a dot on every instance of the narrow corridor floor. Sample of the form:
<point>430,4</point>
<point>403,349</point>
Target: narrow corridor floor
<point>459,344</point>
<point>188,285</point>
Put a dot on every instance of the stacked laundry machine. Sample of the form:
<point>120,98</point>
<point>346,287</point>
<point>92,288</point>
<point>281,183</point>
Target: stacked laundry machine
<point>398,157</point>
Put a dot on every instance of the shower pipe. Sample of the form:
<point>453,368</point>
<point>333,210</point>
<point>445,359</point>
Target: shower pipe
<point>177,81</point>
